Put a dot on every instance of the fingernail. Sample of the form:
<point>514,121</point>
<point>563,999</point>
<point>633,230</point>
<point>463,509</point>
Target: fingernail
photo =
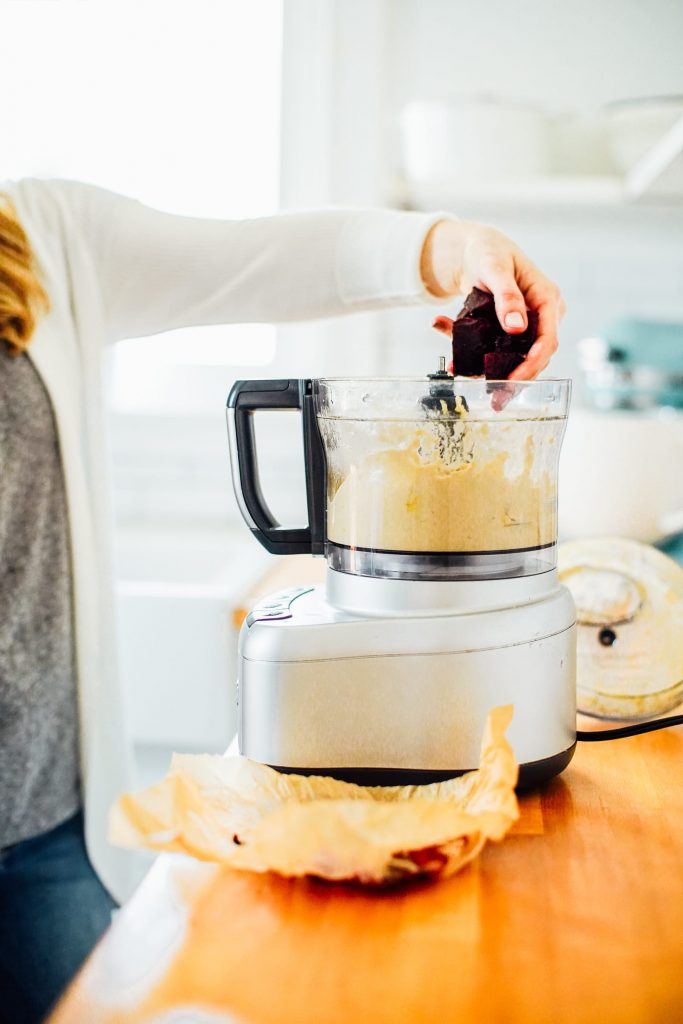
<point>514,320</point>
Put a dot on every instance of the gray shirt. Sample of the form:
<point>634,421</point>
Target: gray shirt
<point>39,775</point>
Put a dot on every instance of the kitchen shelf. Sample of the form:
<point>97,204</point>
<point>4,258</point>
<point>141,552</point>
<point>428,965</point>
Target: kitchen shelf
<point>655,181</point>
<point>554,191</point>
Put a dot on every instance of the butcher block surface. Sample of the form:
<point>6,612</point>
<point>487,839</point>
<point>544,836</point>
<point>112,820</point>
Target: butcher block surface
<point>577,916</point>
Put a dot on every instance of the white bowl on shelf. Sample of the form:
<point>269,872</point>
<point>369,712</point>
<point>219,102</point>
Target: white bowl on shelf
<point>473,141</point>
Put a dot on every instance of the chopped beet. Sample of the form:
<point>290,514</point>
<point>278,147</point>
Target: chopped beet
<point>477,334</point>
<point>479,304</point>
<point>471,342</point>
<point>505,342</point>
<point>499,365</point>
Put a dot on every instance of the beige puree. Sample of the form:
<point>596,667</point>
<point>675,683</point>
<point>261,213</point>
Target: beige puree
<point>415,498</point>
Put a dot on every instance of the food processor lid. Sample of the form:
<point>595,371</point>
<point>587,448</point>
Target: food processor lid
<point>629,600</point>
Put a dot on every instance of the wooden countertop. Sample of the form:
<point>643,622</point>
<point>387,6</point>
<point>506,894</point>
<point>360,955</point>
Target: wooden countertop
<point>575,918</point>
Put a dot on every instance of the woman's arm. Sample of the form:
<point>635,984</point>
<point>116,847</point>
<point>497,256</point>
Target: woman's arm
<point>158,271</point>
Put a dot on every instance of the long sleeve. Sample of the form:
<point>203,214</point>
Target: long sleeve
<point>158,271</point>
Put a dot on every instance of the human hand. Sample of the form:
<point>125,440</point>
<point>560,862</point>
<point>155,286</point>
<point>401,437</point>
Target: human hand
<point>458,256</point>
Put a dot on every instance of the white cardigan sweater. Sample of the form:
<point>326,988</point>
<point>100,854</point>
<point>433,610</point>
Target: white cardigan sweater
<point>114,269</point>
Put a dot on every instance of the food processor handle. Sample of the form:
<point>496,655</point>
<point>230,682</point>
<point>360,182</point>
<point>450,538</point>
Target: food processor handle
<point>247,397</point>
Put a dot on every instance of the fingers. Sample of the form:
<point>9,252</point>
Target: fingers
<point>502,395</point>
<point>535,362</point>
<point>444,324</point>
<point>549,313</point>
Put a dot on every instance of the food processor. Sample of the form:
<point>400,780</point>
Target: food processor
<point>434,501</point>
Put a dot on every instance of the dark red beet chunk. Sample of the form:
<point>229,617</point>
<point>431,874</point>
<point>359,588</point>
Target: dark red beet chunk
<point>470,344</point>
<point>477,335</point>
<point>499,365</point>
<point>479,304</point>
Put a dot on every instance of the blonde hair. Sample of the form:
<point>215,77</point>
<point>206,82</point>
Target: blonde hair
<point>22,296</point>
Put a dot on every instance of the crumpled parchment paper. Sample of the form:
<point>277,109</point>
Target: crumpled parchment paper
<point>246,815</point>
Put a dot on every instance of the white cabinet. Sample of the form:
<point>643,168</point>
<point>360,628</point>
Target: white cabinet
<point>177,643</point>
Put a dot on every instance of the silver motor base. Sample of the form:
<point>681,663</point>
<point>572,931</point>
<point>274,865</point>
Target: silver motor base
<point>403,696</point>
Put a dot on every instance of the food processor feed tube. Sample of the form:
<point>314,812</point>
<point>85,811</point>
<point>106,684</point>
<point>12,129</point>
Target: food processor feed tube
<point>436,510</point>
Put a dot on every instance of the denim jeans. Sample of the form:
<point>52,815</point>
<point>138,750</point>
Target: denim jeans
<point>53,908</point>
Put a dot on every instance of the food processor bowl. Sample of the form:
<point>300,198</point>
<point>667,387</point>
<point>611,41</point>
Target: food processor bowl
<point>461,487</point>
<point>442,479</point>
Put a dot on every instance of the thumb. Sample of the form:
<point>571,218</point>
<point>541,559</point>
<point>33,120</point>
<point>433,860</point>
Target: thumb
<point>510,304</point>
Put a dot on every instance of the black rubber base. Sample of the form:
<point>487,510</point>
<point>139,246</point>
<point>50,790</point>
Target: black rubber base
<point>533,773</point>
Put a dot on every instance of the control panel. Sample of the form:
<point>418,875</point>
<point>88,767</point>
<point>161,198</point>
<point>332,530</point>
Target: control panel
<point>276,606</point>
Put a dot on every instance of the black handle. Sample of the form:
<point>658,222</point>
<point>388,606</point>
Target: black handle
<point>247,397</point>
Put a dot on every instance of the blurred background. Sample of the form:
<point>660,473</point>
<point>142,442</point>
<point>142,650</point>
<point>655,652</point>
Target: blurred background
<point>561,124</point>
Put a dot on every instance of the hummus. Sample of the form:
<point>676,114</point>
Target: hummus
<point>463,494</point>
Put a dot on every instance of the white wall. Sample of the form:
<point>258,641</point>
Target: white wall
<point>372,56</point>
<point>348,66</point>
<point>566,55</point>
